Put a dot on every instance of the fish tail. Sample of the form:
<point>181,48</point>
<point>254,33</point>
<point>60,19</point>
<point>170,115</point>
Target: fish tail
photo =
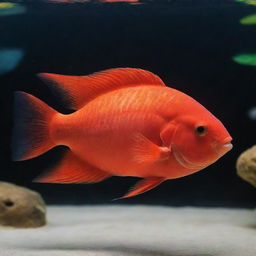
<point>31,131</point>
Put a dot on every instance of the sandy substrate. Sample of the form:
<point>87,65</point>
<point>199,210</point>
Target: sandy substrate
<point>136,230</point>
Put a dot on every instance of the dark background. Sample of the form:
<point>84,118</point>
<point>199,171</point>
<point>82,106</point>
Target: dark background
<point>189,44</point>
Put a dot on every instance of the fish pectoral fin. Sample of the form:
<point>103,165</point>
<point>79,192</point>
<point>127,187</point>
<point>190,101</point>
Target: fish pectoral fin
<point>145,151</point>
<point>71,169</point>
<point>143,186</point>
<point>76,91</point>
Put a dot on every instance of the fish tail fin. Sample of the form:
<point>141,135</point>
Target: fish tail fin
<point>32,119</point>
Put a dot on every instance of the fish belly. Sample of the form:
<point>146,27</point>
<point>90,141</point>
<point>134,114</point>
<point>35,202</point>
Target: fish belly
<point>111,149</point>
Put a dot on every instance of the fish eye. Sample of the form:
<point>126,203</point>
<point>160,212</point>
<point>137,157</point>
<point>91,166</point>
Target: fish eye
<point>200,130</point>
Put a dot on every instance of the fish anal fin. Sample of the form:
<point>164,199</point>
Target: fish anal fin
<point>76,91</point>
<point>71,169</point>
<point>145,151</point>
<point>143,186</point>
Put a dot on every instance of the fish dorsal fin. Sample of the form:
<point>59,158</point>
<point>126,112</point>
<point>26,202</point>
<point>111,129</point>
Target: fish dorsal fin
<point>76,91</point>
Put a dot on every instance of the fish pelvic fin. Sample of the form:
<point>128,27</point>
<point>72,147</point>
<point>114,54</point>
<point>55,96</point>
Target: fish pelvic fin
<point>145,151</point>
<point>71,169</point>
<point>32,119</point>
<point>142,186</point>
<point>76,91</point>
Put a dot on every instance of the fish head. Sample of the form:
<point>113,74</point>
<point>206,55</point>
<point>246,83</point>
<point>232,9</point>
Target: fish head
<point>199,140</point>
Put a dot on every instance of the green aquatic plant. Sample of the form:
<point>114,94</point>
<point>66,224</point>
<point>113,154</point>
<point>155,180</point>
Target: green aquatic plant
<point>6,5</point>
<point>249,2</point>
<point>249,20</point>
<point>245,59</point>
<point>8,8</point>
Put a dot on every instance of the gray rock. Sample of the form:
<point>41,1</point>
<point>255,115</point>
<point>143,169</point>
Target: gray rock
<point>21,207</point>
<point>246,165</point>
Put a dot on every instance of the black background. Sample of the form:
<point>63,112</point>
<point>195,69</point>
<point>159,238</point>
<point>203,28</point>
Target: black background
<point>189,44</point>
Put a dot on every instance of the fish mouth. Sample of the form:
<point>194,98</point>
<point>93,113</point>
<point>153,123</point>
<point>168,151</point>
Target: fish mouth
<point>228,139</point>
<point>226,146</point>
<point>183,161</point>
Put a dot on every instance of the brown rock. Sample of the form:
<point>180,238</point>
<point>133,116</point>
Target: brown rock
<point>246,165</point>
<point>21,207</point>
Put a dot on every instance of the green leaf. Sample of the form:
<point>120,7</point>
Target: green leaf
<point>249,20</point>
<point>245,59</point>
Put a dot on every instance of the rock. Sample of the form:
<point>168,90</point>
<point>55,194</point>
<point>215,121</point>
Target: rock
<point>21,207</point>
<point>246,165</point>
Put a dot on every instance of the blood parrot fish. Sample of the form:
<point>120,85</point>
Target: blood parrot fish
<point>126,122</point>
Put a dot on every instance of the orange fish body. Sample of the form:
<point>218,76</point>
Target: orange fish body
<point>126,123</point>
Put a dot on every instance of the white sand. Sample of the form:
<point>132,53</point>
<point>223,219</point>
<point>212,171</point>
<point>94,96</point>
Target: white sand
<point>136,230</point>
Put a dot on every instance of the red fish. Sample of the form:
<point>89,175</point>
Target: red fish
<point>127,122</point>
